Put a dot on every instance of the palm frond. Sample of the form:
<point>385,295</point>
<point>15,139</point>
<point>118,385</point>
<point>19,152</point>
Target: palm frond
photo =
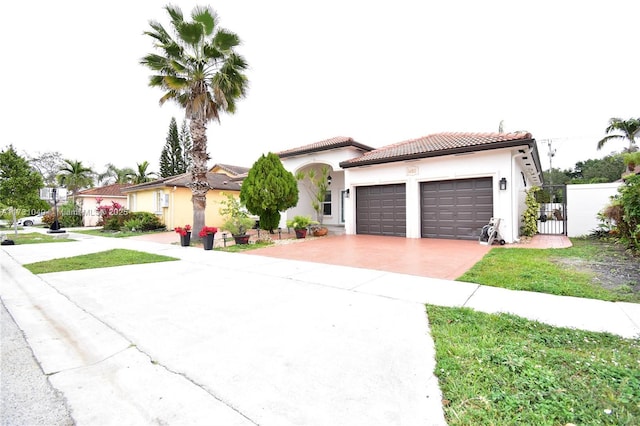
<point>175,13</point>
<point>175,83</point>
<point>191,33</point>
<point>606,139</point>
<point>226,40</point>
<point>205,16</point>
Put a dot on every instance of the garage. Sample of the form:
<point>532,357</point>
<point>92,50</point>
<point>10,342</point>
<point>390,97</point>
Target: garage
<point>381,210</point>
<point>456,209</point>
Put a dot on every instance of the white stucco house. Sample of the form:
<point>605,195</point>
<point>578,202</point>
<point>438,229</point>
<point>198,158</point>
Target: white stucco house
<point>446,185</point>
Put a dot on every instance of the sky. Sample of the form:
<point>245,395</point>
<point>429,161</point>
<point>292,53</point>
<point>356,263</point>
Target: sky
<point>380,72</point>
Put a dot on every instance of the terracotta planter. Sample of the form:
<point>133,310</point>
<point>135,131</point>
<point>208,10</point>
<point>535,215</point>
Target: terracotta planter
<point>320,232</point>
<point>241,239</point>
<point>185,240</point>
<point>301,233</point>
<point>207,241</point>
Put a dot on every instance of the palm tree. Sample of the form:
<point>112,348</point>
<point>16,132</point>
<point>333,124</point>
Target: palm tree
<point>74,176</point>
<point>142,176</point>
<point>630,131</point>
<point>200,71</point>
<point>116,174</point>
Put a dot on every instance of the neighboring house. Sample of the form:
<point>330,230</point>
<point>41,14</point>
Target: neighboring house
<point>231,171</point>
<point>170,198</point>
<point>90,199</point>
<point>446,185</point>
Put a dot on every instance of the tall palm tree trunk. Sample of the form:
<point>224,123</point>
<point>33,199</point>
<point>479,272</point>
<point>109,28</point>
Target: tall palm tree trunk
<point>199,184</point>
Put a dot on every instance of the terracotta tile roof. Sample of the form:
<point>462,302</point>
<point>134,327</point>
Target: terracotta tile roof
<point>113,190</point>
<point>439,144</point>
<point>216,181</point>
<point>235,170</point>
<point>336,142</point>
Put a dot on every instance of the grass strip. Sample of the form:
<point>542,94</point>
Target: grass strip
<point>506,370</point>
<point>115,234</point>
<point>236,248</point>
<point>104,259</point>
<point>538,270</point>
<point>35,238</point>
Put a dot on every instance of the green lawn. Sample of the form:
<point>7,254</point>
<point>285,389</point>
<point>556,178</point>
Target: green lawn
<point>549,271</point>
<point>115,257</point>
<point>505,370</point>
<point>35,238</point>
<point>115,234</point>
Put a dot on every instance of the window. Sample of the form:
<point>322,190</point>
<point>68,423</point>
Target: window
<point>326,206</point>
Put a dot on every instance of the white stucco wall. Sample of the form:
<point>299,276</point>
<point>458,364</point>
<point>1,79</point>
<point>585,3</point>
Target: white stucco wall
<point>584,202</point>
<point>317,160</point>
<point>496,164</point>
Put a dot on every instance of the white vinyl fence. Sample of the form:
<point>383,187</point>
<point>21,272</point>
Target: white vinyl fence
<point>584,202</point>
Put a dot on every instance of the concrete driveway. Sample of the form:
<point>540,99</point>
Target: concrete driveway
<point>223,339</point>
<point>426,257</point>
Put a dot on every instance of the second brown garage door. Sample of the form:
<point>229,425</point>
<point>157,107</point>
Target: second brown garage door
<point>381,210</point>
<point>456,209</point>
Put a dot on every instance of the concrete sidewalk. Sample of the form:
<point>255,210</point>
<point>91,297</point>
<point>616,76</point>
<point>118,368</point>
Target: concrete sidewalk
<point>232,339</point>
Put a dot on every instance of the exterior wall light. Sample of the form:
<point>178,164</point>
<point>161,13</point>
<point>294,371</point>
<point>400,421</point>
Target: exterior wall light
<point>503,184</point>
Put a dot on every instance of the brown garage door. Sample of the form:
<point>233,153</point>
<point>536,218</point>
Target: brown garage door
<point>381,210</point>
<point>456,209</point>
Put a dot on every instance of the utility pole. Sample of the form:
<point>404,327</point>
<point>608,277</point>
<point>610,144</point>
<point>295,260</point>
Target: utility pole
<point>551,154</point>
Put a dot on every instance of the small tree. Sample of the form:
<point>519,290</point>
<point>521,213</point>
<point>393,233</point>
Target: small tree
<point>19,184</point>
<point>530,216</point>
<point>317,184</point>
<point>268,190</point>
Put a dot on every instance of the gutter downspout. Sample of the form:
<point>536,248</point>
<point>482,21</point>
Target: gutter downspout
<point>515,220</point>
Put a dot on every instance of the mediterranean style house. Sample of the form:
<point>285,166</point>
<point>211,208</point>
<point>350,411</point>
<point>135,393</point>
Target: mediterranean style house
<point>446,185</point>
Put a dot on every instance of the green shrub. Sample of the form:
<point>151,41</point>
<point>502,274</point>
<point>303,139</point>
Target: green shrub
<point>530,216</point>
<point>133,225</point>
<point>113,223</point>
<point>148,221</point>
<point>299,222</point>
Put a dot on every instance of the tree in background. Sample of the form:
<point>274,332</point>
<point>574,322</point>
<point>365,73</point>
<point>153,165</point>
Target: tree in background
<point>49,165</point>
<point>269,189</point>
<point>19,185</point>
<point>598,170</point>
<point>74,176</point>
<point>199,70</point>
<point>115,175</point>
<point>603,170</point>
<point>626,130</point>
<point>172,157</point>
<point>185,143</point>
<point>142,175</point>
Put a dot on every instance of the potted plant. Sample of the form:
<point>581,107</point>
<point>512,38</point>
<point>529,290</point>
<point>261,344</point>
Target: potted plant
<point>238,221</point>
<point>300,225</point>
<point>317,185</point>
<point>185,235</point>
<point>207,234</point>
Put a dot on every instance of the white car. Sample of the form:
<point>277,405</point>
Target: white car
<point>31,220</point>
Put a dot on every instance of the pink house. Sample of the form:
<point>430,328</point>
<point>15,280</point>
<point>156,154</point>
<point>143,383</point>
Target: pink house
<point>90,199</point>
